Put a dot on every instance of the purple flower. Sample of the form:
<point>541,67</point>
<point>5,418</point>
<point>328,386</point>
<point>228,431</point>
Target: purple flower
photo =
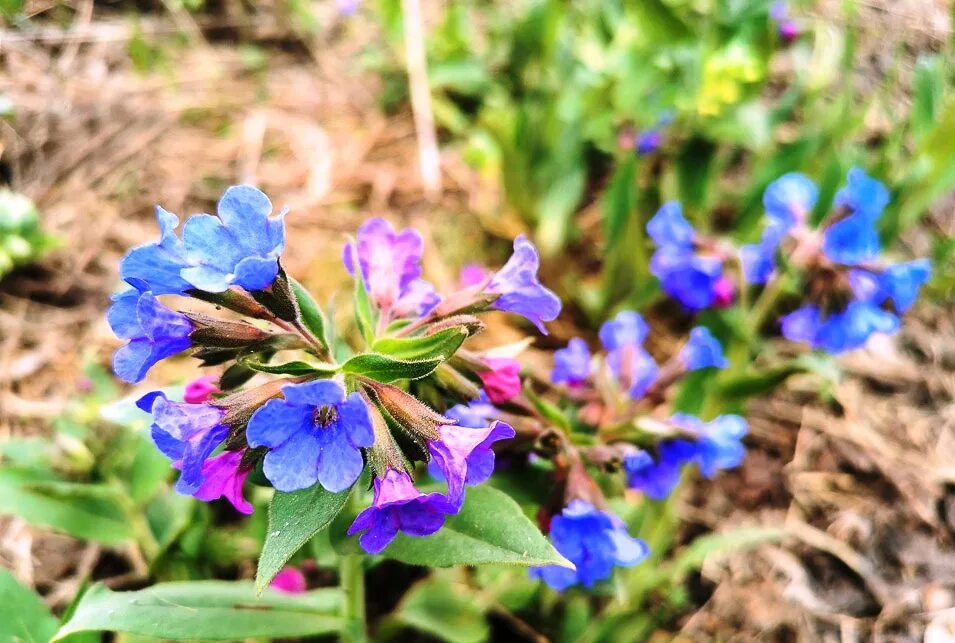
<point>472,274</point>
<point>657,478</point>
<point>634,368</point>
<point>240,246</point>
<point>626,329</point>
<point>648,141</point>
<point>519,289</point>
<point>571,364</point>
<point>464,455</point>
<point>475,414</point>
<point>758,260</point>
<point>187,434</point>
<point>399,506</point>
<point>153,332</point>
<point>223,477</point>
<point>314,434</point>
<point>157,266</point>
<point>789,199</point>
<point>391,268</point>
<point>594,541</point>
<point>702,350</point>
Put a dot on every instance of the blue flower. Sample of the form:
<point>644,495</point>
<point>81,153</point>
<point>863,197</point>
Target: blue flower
<point>157,266</point>
<point>657,478</point>
<point>240,247</point>
<point>314,434</point>
<point>571,364</point>
<point>464,455</point>
<point>862,195</point>
<point>519,288</point>
<point>634,368</point>
<point>594,541</point>
<point>852,240</point>
<point>475,414</point>
<point>628,328</point>
<point>720,441</point>
<point>689,278</point>
<point>648,141</point>
<point>702,350</point>
<point>840,331</point>
<point>668,227</point>
<point>758,260</point>
<point>790,198</point>
<point>187,434</point>
<point>898,283</point>
<point>153,332</point>
<point>399,506</point>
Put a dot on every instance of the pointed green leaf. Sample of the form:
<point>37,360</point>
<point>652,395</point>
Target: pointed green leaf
<point>293,519</point>
<point>310,312</point>
<point>23,616</point>
<point>296,367</point>
<point>388,369</point>
<point>205,610</point>
<point>440,345</point>
<point>87,511</point>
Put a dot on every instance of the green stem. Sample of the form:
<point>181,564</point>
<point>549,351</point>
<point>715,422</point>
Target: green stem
<point>352,581</point>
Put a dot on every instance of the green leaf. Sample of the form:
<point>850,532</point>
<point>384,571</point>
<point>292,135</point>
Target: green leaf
<point>444,609</point>
<point>293,519</point>
<point>388,369</point>
<point>440,345</point>
<point>490,529</point>
<point>23,616</point>
<point>205,610</point>
<point>692,558</point>
<point>619,200</point>
<point>311,313</point>
<point>87,511</point>
<point>296,367</point>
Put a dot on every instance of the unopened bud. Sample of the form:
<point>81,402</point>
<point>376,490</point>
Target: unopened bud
<point>420,420</point>
<point>472,324</point>
<point>219,333</point>
<point>279,298</point>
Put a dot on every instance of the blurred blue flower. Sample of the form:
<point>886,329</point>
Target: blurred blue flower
<point>669,227</point>
<point>657,478</point>
<point>839,331</point>
<point>571,364</point>
<point>720,441</point>
<point>690,278</point>
<point>648,141</point>
<point>240,246</point>
<point>520,290</point>
<point>153,332</point>
<point>594,541</point>
<point>634,368</point>
<point>758,260</point>
<point>628,328</point>
<point>789,199</point>
<point>475,414</point>
<point>187,434</point>
<point>399,506</point>
<point>899,283</point>
<point>702,350</point>
<point>852,240</point>
<point>862,195</point>
<point>314,434</point>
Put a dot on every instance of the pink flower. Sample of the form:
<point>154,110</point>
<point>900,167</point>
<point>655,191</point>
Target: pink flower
<point>724,292</point>
<point>290,580</point>
<point>223,477</point>
<point>503,381</point>
<point>201,389</point>
<point>473,274</point>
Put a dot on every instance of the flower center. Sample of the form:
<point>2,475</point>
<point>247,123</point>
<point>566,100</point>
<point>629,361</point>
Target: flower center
<point>325,416</point>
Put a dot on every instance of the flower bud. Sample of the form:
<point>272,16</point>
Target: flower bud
<point>219,333</point>
<point>420,421</point>
<point>201,389</point>
<point>502,380</point>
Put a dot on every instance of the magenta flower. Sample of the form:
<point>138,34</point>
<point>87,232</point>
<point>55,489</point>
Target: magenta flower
<point>464,455</point>
<point>399,506</point>
<point>390,264</point>
<point>223,477</point>
<point>503,381</point>
<point>201,389</point>
<point>290,580</point>
<point>472,274</point>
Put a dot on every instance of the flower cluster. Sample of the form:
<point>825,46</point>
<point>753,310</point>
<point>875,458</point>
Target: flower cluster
<point>853,292</point>
<point>322,422</point>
